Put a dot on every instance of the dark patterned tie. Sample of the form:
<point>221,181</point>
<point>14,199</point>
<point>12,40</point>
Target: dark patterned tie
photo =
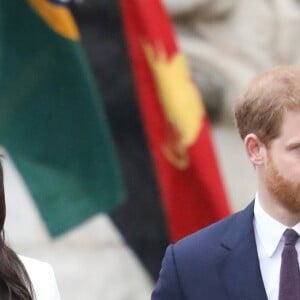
<point>289,287</point>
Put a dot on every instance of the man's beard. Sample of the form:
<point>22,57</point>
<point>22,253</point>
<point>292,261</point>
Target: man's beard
<point>285,192</point>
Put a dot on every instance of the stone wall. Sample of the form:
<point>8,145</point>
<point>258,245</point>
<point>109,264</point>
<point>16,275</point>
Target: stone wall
<point>232,40</point>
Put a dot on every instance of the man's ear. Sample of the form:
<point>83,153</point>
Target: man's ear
<point>255,149</point>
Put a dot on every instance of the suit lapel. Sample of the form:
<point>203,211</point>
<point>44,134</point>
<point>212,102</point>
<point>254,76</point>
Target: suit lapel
<point>240,263</point>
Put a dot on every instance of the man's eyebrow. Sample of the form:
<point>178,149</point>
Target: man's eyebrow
<point>292,145</point>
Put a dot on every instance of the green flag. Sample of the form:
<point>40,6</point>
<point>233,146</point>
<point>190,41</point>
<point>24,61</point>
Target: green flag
<point>51,120</point>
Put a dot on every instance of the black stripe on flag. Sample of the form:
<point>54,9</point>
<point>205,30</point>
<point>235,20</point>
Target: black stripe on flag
<point>140,219</point>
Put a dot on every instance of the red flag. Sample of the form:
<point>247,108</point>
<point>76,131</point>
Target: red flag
<point>175,121</point>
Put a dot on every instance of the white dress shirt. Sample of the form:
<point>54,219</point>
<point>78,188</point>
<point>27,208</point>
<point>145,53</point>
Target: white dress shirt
<point>42,278</point>
<point>270,243</point>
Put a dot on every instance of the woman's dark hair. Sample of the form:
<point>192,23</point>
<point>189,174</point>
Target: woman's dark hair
<point>14,280</point>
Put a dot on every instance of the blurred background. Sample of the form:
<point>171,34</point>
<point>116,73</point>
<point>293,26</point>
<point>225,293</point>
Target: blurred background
<point>87,185</point>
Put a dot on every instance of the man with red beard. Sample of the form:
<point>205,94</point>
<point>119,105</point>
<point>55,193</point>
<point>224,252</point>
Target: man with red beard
<point>253,253</point>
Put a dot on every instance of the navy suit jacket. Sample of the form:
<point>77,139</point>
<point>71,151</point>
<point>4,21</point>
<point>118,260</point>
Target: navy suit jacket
<point>216,263</point>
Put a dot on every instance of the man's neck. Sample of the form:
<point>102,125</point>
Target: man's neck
<point>276,210</point>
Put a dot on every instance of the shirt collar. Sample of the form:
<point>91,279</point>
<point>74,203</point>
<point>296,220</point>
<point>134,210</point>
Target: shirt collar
<point>269,230</point>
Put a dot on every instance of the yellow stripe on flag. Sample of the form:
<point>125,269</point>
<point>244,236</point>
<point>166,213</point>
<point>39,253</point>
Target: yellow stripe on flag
<point>180,100</point>
<point>57,17</point>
